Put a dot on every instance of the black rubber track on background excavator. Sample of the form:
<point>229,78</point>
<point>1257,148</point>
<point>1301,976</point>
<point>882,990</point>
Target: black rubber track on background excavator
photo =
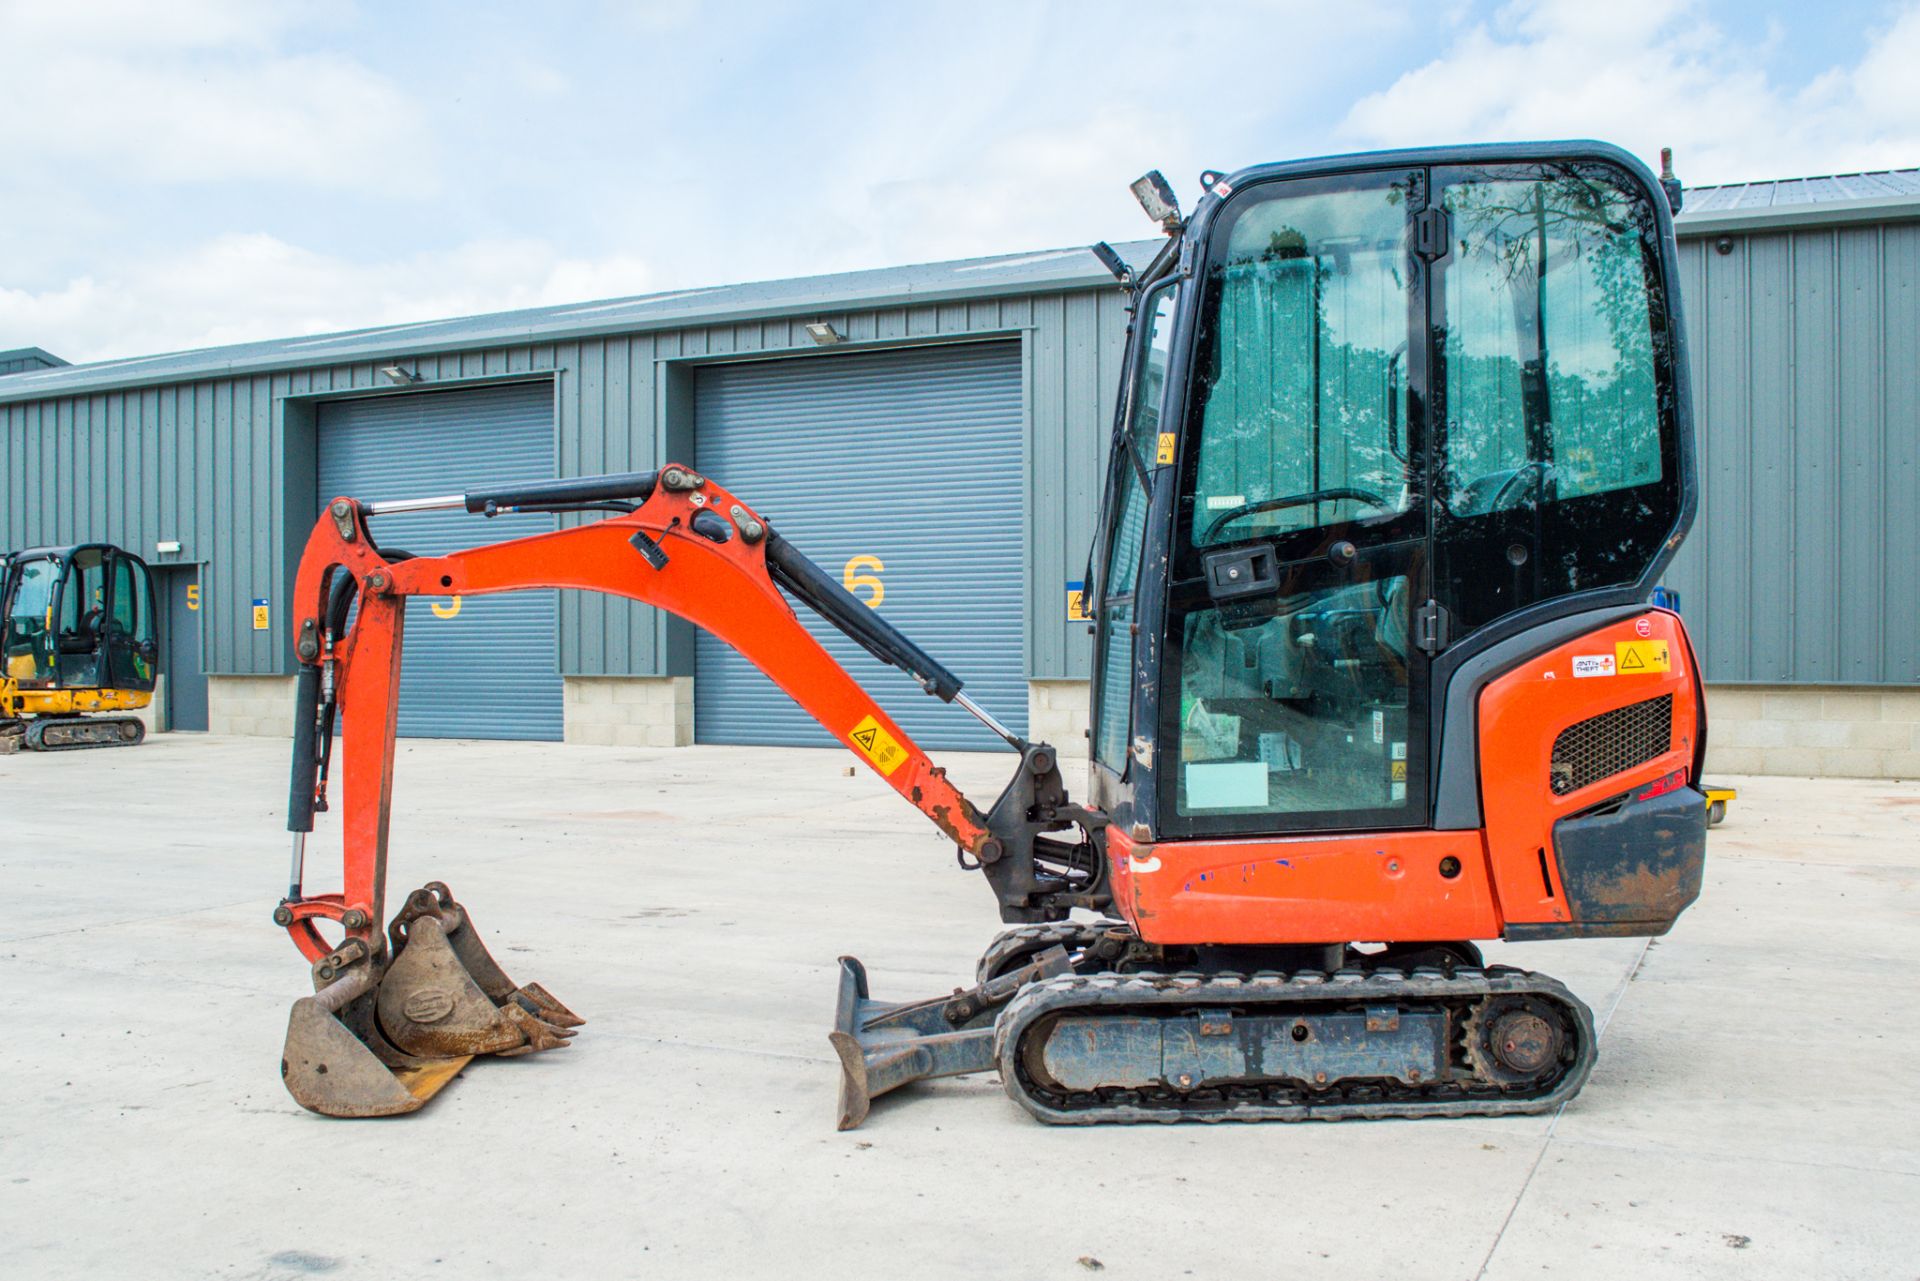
<point>71,734</point>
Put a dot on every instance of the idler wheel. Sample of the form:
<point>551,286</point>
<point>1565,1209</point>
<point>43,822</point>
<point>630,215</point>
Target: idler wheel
<point>1523,1042</point>
<point>1516,1040</point>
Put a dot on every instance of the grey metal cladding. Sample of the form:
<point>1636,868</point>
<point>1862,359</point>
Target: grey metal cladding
<point>187,463</point>
<point>914,459</point>
<point>214,463</point>
<point>1805,344</point>
<point>25,360</point>
<point>1806,362</point>
<point>489,670</point>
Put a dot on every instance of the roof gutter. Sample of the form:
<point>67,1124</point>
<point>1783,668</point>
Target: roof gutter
<point>1823,213</point>
<point>172,369</point>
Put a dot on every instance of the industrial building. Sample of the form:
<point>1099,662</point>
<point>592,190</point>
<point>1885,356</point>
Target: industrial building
<point>935,434</point>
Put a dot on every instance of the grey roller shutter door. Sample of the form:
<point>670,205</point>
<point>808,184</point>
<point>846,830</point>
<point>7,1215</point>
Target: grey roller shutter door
<point>913,458</point>
<point>490,670</point>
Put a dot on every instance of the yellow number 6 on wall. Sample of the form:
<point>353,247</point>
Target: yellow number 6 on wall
<point>853,579</point>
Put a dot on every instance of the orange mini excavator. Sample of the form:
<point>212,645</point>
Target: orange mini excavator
<point>1402,448</point>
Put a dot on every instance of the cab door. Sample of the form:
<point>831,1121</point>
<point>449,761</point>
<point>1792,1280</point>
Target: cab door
<point>132,638</point>
<point>27,650</point>
<point>1294,682</point>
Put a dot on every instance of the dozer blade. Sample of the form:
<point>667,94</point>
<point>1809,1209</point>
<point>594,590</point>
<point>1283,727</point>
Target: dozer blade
<point>883,1046</point>
<point>336,1063</point>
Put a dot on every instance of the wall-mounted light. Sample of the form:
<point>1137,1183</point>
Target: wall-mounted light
<point>167,547</point>
<point>398,376</point>
<point>824,334</point>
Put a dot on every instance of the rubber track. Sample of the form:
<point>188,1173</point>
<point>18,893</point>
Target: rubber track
<point>1458,992</point>
<point>1023,939</point>
<point>36,742</point>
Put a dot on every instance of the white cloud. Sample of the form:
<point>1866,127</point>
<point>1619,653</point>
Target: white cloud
<point>192,92</point>
<point>209,171</point>
<point>40,29</point>
<point>242,288</point>
<point>1653,73</point>
<point>1032,188</point>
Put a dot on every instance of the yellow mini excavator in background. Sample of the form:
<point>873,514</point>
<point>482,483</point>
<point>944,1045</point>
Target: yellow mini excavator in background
<point>79,642</point>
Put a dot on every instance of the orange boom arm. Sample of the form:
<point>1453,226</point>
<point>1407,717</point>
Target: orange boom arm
<point>690,548</point>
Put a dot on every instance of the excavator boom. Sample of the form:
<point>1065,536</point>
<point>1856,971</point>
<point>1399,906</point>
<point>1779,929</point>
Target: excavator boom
<point>687,546</point>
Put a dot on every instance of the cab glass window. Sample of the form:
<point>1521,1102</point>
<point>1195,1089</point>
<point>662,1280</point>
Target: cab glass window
<point>1137,451</point>
<point>130,630</point>
<point>1303,346</point>
<point>1558,459</point>
<point>83,602</point>
<point>28,644</point>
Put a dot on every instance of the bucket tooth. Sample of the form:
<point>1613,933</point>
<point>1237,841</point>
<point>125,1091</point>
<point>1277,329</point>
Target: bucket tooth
<point>542,1003</point>
<point>336,1063</point>
<point>430,1007</point>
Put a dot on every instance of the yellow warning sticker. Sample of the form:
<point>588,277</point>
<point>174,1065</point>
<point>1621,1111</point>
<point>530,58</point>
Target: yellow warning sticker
<point>1077,603</point>
<point>1163,453</point>
<point>1641,656</point>
<point>1399,774</point>
<point>880,747</point>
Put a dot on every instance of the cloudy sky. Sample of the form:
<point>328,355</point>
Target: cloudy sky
<point>198,172</point>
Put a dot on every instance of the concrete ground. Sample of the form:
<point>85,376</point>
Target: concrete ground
<point>1753,1112</point>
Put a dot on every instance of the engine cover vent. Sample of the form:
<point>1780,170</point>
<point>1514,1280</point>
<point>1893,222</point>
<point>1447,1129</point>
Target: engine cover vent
<point>1610,743</point>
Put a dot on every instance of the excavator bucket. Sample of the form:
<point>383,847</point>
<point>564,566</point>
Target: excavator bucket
<point>544,1023</point>
<point>337,1063</point>
<point>379,1041</point>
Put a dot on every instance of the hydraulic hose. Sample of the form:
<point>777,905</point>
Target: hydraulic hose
<point>306,725</point>
<point>634,486</point>
<point>824,595</point>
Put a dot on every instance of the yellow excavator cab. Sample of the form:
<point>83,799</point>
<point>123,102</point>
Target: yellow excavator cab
<point>79,640</point>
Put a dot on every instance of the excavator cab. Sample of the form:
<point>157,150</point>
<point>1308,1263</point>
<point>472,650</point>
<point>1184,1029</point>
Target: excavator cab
<point>1389,421</point>
<point>79,640</point>
<point>1403,447</point>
